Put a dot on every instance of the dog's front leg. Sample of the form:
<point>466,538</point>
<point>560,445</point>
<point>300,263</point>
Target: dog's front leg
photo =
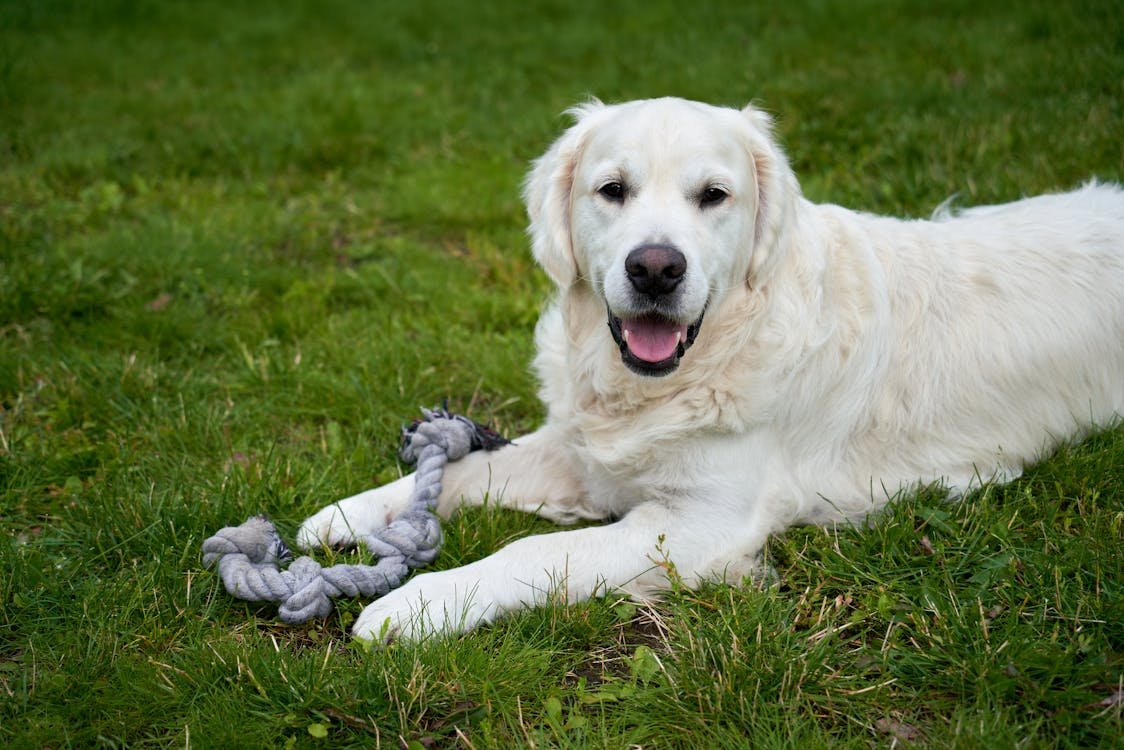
<point>632,555</point>
<point>534,474</point>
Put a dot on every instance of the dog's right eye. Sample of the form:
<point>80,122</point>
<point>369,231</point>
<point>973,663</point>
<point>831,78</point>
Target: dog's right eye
<point>712,196</point>
<point>613,191</point>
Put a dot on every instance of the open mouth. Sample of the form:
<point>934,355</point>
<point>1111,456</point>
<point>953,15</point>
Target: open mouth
<point>652,344</point>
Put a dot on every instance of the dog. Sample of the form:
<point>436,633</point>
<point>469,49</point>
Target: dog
<point>723,359</point>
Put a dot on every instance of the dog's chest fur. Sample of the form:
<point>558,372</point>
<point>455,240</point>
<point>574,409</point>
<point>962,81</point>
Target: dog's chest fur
<point>636,439</point>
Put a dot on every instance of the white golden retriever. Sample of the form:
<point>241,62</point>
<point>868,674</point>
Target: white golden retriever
<point>724,359</point>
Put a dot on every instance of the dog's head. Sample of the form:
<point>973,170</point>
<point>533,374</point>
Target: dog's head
<point>661,206</point>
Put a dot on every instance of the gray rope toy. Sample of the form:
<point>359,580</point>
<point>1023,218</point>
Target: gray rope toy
<point>249,556</point>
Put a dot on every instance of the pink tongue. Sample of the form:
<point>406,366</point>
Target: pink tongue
<point>651,339</point>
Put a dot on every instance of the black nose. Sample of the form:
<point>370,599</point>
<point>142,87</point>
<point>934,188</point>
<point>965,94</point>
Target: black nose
<point>655,269</point>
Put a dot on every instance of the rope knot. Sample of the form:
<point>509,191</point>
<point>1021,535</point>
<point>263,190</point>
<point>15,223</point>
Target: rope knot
<point>309,596</point>
<point>455,435</point>
<point>257,539</point>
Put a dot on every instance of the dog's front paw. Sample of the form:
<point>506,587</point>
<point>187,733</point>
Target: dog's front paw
<point>340,524</point>
<point>446,602</point>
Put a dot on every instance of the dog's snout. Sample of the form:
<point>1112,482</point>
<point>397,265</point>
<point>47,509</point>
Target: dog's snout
<point>655,269</point>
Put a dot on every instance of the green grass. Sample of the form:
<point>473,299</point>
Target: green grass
<point>240,243</point>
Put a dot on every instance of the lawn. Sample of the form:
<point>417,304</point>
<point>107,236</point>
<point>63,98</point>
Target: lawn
<point>242,242</point>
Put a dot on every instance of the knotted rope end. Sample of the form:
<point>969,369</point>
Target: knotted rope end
<point>480,436</point>
<point>257,539</point>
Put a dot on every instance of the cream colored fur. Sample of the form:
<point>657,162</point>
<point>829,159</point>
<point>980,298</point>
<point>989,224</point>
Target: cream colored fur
<point>843,357</point>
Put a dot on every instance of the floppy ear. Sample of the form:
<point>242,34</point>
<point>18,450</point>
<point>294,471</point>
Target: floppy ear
<point>546,192</point>
<point>777,194</point>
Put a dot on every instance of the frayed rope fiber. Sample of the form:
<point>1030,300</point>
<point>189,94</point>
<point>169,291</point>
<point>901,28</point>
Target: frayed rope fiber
<point>249,556</point>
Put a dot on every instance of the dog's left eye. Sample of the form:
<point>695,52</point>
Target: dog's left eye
<point>613,191</point>
<point>712,196</point>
